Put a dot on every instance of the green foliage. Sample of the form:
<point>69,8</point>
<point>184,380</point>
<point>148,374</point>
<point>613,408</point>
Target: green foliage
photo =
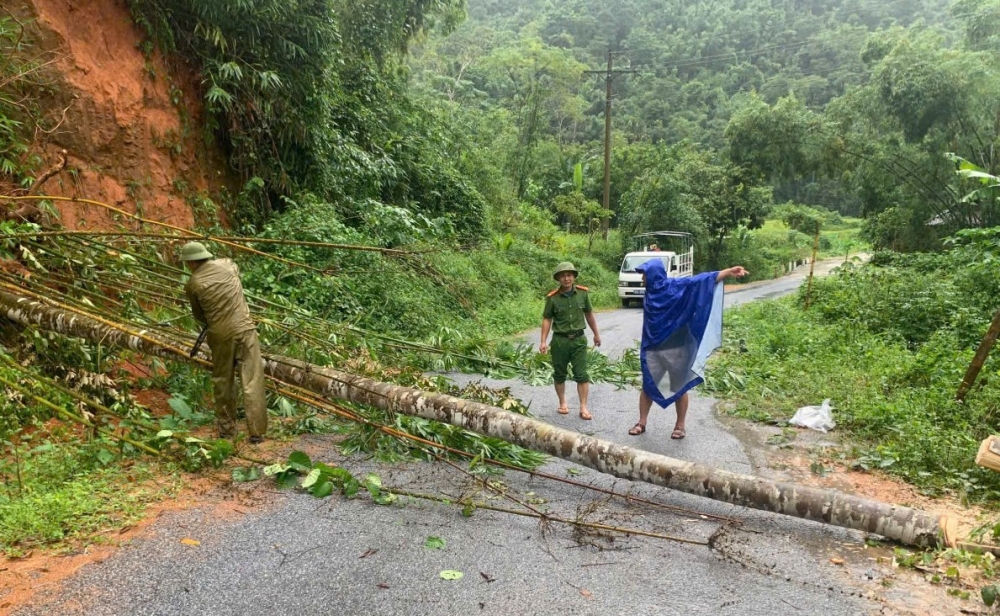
<point>897,403</point>
<point>307,96</point>
<point>392,448</point>
<point>906,305</point>
<point>775,142</point>
<point>322,480</point>
<point>692,192</point>
<point>989,594</point>
<point>923,100</point>
<point>21,83</point>
<point>803,219</point>
<point>490,291</point>
<point>79,508</point>
<point>192,452</point>
<point>56,490</point>
<point>582,212</point>
<point>888,343</point>
<point>852,116</point>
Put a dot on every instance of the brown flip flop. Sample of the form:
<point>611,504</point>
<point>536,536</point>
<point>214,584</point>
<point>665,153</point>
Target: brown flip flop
<point>563,410</point>
<point>637,429</point>
<point>678,434</point>
<point>586,415</point>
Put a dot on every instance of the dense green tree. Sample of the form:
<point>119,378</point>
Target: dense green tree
<point>311,95</point>
<point>698,192</point>
<point>750,78</point>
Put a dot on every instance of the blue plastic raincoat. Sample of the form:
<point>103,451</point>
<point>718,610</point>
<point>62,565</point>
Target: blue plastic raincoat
<point>681,326</point>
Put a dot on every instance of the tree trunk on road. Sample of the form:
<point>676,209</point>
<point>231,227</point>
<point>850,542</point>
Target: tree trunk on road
<point>903,524</point>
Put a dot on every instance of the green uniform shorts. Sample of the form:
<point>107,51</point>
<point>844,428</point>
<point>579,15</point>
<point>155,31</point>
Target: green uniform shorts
<point>566,352</point>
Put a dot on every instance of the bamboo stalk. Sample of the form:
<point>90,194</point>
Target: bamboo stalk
<point>979,359</point>
<point>309,398</point>
<point>167,237</point>
<point>80,420</point>
<point>546,517</point>
<point>190,235</point>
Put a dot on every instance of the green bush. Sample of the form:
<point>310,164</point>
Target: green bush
<point>491,289</point>
<point>895,400</point>
<point>909,298</point>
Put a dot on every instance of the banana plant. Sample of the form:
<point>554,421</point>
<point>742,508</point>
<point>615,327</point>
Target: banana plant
<point>986,198</point>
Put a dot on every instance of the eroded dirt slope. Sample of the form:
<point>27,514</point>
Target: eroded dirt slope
<point>132,124</point>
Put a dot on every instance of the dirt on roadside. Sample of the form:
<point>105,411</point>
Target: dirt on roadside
<point>810,458</point>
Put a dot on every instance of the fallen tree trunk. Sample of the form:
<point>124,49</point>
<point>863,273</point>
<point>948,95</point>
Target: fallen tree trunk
<point>903,524</point>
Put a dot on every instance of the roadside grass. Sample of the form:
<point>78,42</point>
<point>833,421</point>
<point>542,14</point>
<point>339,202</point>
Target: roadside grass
<point>835,239</point>
<point>54,497</point>
<point>767,252</point>
<point>895,402</point>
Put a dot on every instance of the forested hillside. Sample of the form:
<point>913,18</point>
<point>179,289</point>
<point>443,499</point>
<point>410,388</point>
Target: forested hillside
<point>848,105</point>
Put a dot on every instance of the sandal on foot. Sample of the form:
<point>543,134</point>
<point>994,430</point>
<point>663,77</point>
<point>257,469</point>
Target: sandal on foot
<point>637,429</point>
<point>563,410</point>
<point>678,434</point>
<point>586,415</point>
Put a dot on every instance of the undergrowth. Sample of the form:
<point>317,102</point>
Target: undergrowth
<point>889,344</point>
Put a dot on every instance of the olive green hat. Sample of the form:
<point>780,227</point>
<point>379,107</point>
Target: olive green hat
<point>565,266</point>
<point>194,251</point>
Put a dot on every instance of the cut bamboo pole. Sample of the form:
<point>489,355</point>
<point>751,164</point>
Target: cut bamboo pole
<point>988,455</point>
<point>812,268</point>
<point>979,358</point>
<point>903,524</point>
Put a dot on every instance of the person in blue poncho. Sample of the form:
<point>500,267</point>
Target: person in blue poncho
<point>681,326</point>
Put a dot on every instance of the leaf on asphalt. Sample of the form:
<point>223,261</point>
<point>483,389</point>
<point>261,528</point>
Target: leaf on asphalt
<point>368,552</point>
<point>275,469</point>
<point>434,543</point>
<point>989,594</point>
<point>242,474</point>
<point>586,593</point>
<point>191,542</point>
<point>383,585</point>
<point>451,575</point>
<point>311,478</point>
<point>322,490</point>
<point>487,577</point>
<point>837,561</point>
<point>300,461</point>
<point>285,481</point>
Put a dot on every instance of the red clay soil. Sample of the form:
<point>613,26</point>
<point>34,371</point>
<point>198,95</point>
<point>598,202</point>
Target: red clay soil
<point>132,126</point>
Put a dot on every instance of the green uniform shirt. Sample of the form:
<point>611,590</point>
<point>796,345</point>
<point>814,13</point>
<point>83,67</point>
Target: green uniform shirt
<point>217,300</point>
<point>567,310</point>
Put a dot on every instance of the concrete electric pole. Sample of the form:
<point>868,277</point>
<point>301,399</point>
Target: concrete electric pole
<point>609,76</point>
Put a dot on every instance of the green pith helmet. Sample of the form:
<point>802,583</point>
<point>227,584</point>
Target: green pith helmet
<point>194,251</point>
<point>565,266</point>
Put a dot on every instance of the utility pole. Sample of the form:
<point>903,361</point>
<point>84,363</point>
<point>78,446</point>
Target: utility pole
<point>609,76</point>
<point>980,357</point>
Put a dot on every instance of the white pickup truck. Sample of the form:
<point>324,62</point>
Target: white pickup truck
<point>630,287</point>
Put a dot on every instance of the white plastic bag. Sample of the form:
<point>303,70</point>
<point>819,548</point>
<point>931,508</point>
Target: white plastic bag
<point>814,417</point>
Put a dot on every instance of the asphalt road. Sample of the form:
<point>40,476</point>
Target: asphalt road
<point>621,329</point>
<point>300,556</point>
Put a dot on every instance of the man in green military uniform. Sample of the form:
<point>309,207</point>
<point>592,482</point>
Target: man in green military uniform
<point>566,310</point>
<point>217,301</point>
